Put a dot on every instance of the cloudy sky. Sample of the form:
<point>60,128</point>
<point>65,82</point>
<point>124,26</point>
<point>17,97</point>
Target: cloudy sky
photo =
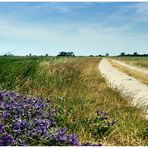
<point>84,28</point>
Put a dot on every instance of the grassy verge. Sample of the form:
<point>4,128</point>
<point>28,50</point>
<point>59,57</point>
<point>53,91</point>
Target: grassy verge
<point>78,90</point>
<point>135,61</point>
<point>138,75</point>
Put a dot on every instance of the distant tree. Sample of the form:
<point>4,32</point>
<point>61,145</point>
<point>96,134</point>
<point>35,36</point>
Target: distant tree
<point>8,54</point>
<point>91,55</point>
<point>122,54</point>
<point>62,54</point>
<point>107,54</point>
<point>70,54</point>
<point>66,54</point>
<point>30,54</point>
<point>46,55</point>
<point>145,54</point>
<point>129,54</point>
<point>135,54</point>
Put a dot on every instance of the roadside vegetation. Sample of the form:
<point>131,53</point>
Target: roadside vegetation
<point>84,103</point>
<point>133,73</point>
<point>135,61</point>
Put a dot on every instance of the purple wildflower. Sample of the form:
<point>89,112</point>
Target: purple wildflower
<point>6,139</point>
<point>2,128</point>
<point>73,139</point>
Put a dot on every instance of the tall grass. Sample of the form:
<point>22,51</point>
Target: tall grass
<point>136,61</point>
<point>133,73</point>
<point>78,91</point>
<point>15,72</point>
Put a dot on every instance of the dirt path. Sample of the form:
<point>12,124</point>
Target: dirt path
<point>126,84</point>
<point>145,71</point>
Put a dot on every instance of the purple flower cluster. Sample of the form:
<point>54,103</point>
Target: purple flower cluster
<point>102,124</point>
<point>30,121</point>
<point>103,116</point>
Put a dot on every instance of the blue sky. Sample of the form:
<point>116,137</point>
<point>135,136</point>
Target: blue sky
<point>84,28</point>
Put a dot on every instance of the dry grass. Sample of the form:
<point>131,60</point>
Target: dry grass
<point>133,73</point>
<point>135,61</point>
<point>83,91</point>
<point>86,92</point>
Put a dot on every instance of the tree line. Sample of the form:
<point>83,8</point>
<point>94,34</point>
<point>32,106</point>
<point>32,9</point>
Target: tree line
<point>71,54</point>
<point>134,54</point>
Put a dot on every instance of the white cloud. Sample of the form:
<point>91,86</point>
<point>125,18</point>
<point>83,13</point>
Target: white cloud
<point>79,35</point>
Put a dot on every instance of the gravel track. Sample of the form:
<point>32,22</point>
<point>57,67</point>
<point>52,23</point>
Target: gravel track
<point>145,71</point>
<point>128,86</point>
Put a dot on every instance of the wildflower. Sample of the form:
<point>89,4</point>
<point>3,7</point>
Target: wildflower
<point>6,139</point>
<point>63,138</point>
<point>2,128</point>
<point>5,115</point>
<point>28,123</point>
<point>73,139</point>
<point>62,131</point>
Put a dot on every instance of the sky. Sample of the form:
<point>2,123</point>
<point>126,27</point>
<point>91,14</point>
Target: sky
<point>86,28</point>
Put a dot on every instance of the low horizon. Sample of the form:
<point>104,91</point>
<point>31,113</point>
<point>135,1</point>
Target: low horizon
<point>48,54</point>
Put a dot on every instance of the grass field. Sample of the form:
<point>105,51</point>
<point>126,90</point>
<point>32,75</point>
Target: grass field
<point>77,91</point>
<point>136,61</point>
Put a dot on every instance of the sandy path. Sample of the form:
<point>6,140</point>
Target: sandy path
<point>145,71</point>
<point>128,85</point>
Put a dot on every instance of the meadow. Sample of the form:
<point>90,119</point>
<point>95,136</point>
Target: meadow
<point>91,111</point>
<point>136,61</point>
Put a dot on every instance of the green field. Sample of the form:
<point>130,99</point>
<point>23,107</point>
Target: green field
<point>77,91</point>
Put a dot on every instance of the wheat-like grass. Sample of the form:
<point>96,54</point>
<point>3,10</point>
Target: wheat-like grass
<point>77,90</point>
